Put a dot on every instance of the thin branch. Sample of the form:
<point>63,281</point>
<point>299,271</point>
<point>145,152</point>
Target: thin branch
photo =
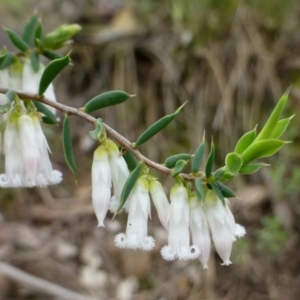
<point>40,284</point>
<point>111,132</point>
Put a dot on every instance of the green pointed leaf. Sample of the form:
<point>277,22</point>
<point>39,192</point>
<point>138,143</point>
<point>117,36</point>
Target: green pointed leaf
<point>51,54</point>
<point>30,28</point>
<point>157,127</point>
<point>171,161</point>
<point>98,131</point>
<point>225,190</point>
<point>38,35</point>
<point>130,160</point>
<point>280,127</point>
<point>7,61</point>
<point>105,99</point>
<point>129,184</point>
<point>251,168</point>
<point>51,71</point>
<point>10,95</point>
<point>60,35</point>
<point>233,162</point>
<point>200,191</point>
<point>179,167</point>
<point>198,157</point>
<point>245,141</point>
<point>17,40</point>
<point>261,149</point>
<point>273,119</point>
<point>67,146</point>
<point>210,161</point>
<point>34,59</point>
<point>218,192</point>
<point>48,116</point>
<point>3,55</point>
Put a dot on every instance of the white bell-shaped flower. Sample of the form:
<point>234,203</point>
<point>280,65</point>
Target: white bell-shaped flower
<point>101,184</point>
<point>27,161</point>
<point>119,173</point>
<point>222,225</point>
<point>200,230</point>
<point>179,236</point>
<point>31,81</point>
<point>160,201</point>
<point>137,224</point>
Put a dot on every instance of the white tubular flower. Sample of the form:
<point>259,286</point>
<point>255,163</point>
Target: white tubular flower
<point>13,156</point>
<point>27,162</point>
<point>101,184</point>
<point>200,230</point>
<point>223,227</point>
<point>31,81</point>
<point>137,223</point>
<point>160,201</point>
<point>119,173</point>
<point>30,150</point>
<point>4,82</point>
<point>179,236</point>
<point>46,174</point>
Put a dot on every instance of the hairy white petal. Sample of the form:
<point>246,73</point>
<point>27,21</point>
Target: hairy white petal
<point>120,173</point>
<point>200,233</point>
<point>137,223</point>
<point>179,236</point>
<point>101,181</point>
<point>223,227</point>
<point>160,201</point>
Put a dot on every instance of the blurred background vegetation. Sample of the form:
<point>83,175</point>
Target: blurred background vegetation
<point>231,60</point>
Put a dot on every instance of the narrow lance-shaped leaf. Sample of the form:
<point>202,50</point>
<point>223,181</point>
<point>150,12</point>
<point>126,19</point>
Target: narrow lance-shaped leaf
<point>210,161</point>
<point>199,189</point>
<point>97,133</point>
<point>51,54</point>
<point>179,167</point>
<point>67,146</point>
<point>51,71</point>
<point>245,141</point>
<point>273,119</point>
<point>157,127</point>
<point>130,160</point>
<point>106,99</point>
<point>217,191</point>
<point>198,157</point>
<point>10,95</point>
<point>251,168</point>
<point>3,55</point>
<point>171,161</point>
<point>129,184</point>
<point>281,127</point>
<point>48,116</point>
<point>7,61</point>
<point>38,35</point>
<point>262,149</point>
<point>34,59</point>
<point>233,162</point>
<point>17,40</point>
<point>29,29</point>
<point>225,190</point>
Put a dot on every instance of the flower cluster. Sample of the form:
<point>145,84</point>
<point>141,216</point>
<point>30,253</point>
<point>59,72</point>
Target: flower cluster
<point>182,216</point>
<point>108,167</point>
<point>26,150</point>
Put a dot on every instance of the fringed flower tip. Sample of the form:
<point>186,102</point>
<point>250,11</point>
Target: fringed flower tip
<point>134,242</point>
<point>184,253</point>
